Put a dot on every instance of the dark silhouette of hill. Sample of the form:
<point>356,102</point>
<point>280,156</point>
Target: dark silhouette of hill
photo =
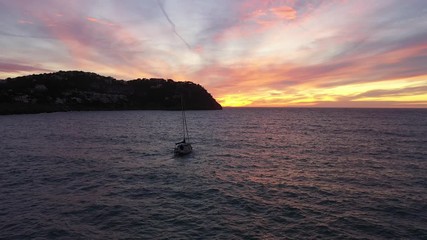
<point>76,90</point>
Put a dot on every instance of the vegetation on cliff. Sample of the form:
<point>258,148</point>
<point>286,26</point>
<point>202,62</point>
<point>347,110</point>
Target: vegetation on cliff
<point>76,90</point>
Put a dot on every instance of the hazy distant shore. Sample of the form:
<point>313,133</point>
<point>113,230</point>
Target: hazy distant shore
<point>16,108</point>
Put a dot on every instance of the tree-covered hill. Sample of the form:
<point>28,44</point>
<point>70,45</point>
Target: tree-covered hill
<point>76,90</point>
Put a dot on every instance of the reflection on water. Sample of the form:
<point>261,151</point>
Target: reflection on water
<point>254,173</point>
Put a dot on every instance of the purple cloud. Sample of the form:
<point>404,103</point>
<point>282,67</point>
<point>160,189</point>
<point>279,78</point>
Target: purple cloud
<point>16,68</point>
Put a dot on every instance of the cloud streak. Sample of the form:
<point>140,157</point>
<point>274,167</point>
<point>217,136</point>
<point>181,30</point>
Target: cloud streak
<point>19,68</point>
<point>162,8</point>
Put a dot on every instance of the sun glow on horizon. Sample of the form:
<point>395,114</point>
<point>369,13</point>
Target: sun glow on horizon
<point>399,90</point>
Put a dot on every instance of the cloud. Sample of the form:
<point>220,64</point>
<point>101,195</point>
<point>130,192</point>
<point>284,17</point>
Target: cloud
<point>284,12</point>
<point>103,22</point>
<point>419,90</point>
<point>18,68</point>
<point>7,34</point>
<point>84,35</point>
<point>172,23</point>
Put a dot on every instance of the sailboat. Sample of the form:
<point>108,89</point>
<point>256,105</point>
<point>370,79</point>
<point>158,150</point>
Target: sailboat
<point>183,147</point>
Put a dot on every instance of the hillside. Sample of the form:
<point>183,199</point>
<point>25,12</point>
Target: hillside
<point>76,90</point>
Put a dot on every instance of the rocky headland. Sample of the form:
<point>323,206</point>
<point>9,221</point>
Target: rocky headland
<point>78,91</point>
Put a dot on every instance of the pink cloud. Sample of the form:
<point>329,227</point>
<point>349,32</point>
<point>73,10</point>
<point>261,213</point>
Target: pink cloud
<point>402,61</point>
<point>87,39</point>
<point>257,17</point>
<point>102,40</point>
<point>99,21</point>
<point>25,22</point>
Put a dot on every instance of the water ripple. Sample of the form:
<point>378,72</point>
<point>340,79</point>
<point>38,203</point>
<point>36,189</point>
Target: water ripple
<point>254,174</point>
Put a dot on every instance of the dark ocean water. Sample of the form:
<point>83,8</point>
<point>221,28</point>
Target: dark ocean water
<point>254,174</point>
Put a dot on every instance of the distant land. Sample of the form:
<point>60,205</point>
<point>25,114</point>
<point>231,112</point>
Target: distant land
<point>79,91</point>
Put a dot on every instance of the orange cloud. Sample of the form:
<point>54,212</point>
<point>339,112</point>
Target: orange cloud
<point>284,12</point>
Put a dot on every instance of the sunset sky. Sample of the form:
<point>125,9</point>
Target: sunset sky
<point>331,53</point>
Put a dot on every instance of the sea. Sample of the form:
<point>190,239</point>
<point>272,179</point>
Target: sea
<point>255,173</point>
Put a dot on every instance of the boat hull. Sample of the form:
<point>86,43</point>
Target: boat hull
<point>183,148</point>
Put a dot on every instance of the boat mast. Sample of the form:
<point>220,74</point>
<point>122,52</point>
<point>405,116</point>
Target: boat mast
<point>184,121</point>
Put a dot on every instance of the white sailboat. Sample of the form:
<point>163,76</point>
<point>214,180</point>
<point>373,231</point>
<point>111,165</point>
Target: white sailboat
<point>184,147</point>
